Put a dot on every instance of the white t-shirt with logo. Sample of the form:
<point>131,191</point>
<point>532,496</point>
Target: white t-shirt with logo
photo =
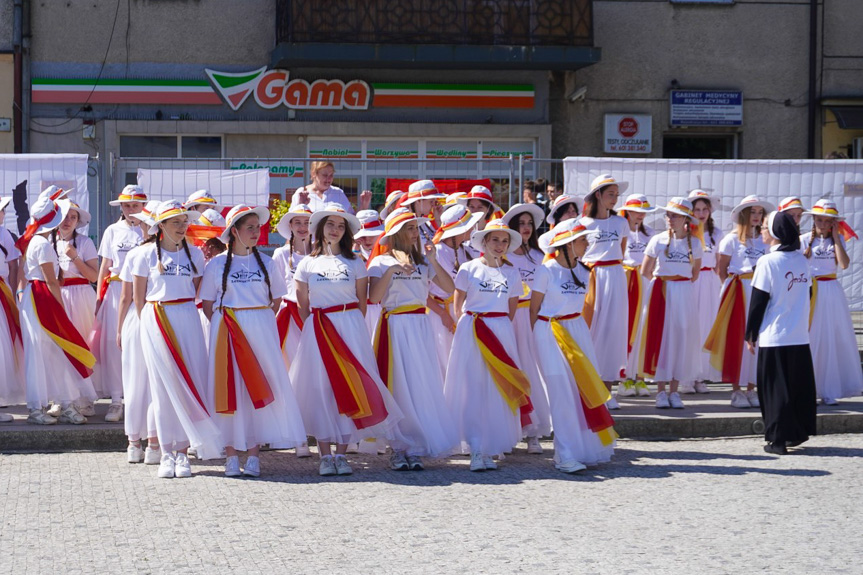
<point>129,263</point>
<point>332,280</point>
<point>563,296</point>
<point>40,251</point>
<point>526,267</point>
<point>286,265</point>
<point>708,258</point>
<point>176,280</point>
<point>12,253</point>
<point>86,250</point>
<point>604,244</point>
<point>488,289</point>
<point>117,240</point>
<point>785,276</point>
<point>404,289</point>
<point>247,285</point>
<point>677,261</point>
<point>822,262</point>
<point>743,256</point>
<point>636,243</point>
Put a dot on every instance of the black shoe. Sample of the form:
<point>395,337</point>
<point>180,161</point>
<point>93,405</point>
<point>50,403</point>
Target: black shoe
<point>776,448</point>
<point>796,443</point>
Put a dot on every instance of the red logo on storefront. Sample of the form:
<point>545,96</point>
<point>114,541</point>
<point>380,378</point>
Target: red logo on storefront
<point>628,127</point>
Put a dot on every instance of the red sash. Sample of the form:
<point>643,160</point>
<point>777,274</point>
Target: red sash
<point>725,340</point>
<point>654,324</point>
<point>104,289</point>
<point>10,308</point>
<point>634,288</point>
<point>356,394</point>
<point>67,282</point>
<point>383,344</point>
<point>53,319</point>
<point>290,311</point>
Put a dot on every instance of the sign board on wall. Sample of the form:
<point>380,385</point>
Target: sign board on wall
<point>285,177</point>
<point>628,134</point>
<point>706,108</point>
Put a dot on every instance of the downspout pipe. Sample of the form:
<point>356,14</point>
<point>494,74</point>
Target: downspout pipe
<point>18,88</point>
<point>813,75</point>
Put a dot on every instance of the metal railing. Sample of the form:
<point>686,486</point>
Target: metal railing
<point>483,22</point>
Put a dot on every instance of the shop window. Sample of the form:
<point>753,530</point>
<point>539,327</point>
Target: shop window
<point>201,146</point>
<point>148,146</point>
<point>704,147</point>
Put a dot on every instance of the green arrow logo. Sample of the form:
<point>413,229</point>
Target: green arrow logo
<point>235,88</point>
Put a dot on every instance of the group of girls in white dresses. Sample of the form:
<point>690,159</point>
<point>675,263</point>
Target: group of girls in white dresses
<point>434,327</point>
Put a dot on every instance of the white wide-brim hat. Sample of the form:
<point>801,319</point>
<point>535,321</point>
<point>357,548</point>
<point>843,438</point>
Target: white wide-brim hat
<point>790,203</point>
<point>566,232</point>
<point>825,208</point>
<point>396,221</point>
<point>47,208</point>
<point>201,198</point>
<point>297,210</point>
<point>603,181</point>
<point>680,206</point>
<point>239,212</point>
<point>534,210</point>
<point>130,193</point>
<point>392,201</point>
<point>699,194</point>
<point>168,210</point>
<point>83,215</point>
<point>637,203</point>
<point>334,209</point>
<point>146,215</point>
<point>211,218</point>
<point>751,202</point>
<point>456,220</point>
<point>372,225</point>
<point>421,190</point>
<point>478,236</point>
<point>4,201</point>
<point>559,202</point>
<point>479,193</point>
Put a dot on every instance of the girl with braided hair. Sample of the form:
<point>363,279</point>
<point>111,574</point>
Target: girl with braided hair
<point>248,390</point>
<point>166,278</point>
<point>668,336</point>
<point>583,432</point>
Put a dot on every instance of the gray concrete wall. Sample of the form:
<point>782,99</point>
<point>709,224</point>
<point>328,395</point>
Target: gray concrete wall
<point>5,25</point>
<point>842,57</point>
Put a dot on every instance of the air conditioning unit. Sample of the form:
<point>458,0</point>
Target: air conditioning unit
<point>858,149</point>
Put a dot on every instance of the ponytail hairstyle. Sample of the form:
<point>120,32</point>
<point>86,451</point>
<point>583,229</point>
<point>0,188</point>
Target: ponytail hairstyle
<point>346,244</point>
<point>54,243</point>
<point>230,257</point>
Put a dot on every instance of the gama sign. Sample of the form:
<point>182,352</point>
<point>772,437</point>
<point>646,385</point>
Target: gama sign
<point>273,88</point>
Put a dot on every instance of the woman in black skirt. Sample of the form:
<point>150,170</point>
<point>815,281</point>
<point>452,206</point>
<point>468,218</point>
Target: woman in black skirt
<point>779,322</point>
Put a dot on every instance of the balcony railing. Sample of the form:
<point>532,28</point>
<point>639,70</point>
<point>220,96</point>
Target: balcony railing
<point>477,22</point>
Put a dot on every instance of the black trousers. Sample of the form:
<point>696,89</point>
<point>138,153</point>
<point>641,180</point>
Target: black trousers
<point>786,390</point>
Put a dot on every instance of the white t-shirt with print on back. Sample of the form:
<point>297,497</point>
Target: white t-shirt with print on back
<point>488,289</point>
<point>332,280</point>
<point>563,296</point>
<point>636,243</point>
<point>785,276</point>
<point>822,261</point>
<point>677,262</point>
<point>119,238</point>
<point>604,244</point>
<point>246,282</point>
<point>744,256</point>
<point>176,281</point>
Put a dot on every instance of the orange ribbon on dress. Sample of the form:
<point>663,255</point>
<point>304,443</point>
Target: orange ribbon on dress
<point>513,385</point>
<point>634,290</point>
<point>590,298</point>
<point>10,309</point>
<point>290,311</point>
<point>725,340</point>
<point>56,323</point>
<point>813,298</point>
<point>173,346</point>
<point>356,394</point>
<point>233,350</point>
<point>654,324</point>
<point>384,343</point>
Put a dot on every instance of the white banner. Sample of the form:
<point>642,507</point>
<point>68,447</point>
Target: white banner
<point>731,181</point>
<point>230,187</point>
<point>24,176</point>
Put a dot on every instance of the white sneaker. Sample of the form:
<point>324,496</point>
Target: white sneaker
<point>570,466</point>
<point>39,417</point>
<point>612,404</point>
<point>674,401</point>
<point>166,466</point>
<point>232,466</point>
<point>152,456</point>
<point>752,398</point>
<point>6,417</point>
<point>192,452</point>
<point>686,387</point>
<point>662,400</point>
<point>641,389</point>
<point>415,463</point>
<point>134,453</point>
<point>476,463</point>
<point>398,461</point>
<point>182,467</point>
<point>488,462</point>
<point>353,448</point>
<point>115,413</point>
<point>71,415</point>
<point>533,446</point>
<point>328,466</point>
<point>304,451</point>
<point>85,407</point>
<point>55,410</point>
<point>701,387</point>
<point>626,388</point>
<point>252,468</point>
<point>739,401</point>
<point>342,467</point>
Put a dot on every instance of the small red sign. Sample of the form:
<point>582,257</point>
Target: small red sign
<point>628,127</point>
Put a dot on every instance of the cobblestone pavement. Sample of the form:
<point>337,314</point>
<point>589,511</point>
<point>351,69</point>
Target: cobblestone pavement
<point>705,506</point>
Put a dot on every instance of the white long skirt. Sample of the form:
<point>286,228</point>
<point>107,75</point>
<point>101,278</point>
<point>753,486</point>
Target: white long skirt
<point>678,354</point>
<point>442,340</point>
<point>483,418</point>
<point>373,314</point>
<point>108,375</point>
<point>314,392</point>
<point>835,358</point>
<point>540,419</point>
<point>292,341</point>
<point>181,421</point>
<point>279,423</point>
<point>428,428</point>
<point>573,439</point>
<point>205,328</point>
<point>48,374</point>
<point>139,419</point>
<point>11,365</point>
<point>610,322</point>
<point>79,301</point>
<point>707,290</point>
<point>749,363</point>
